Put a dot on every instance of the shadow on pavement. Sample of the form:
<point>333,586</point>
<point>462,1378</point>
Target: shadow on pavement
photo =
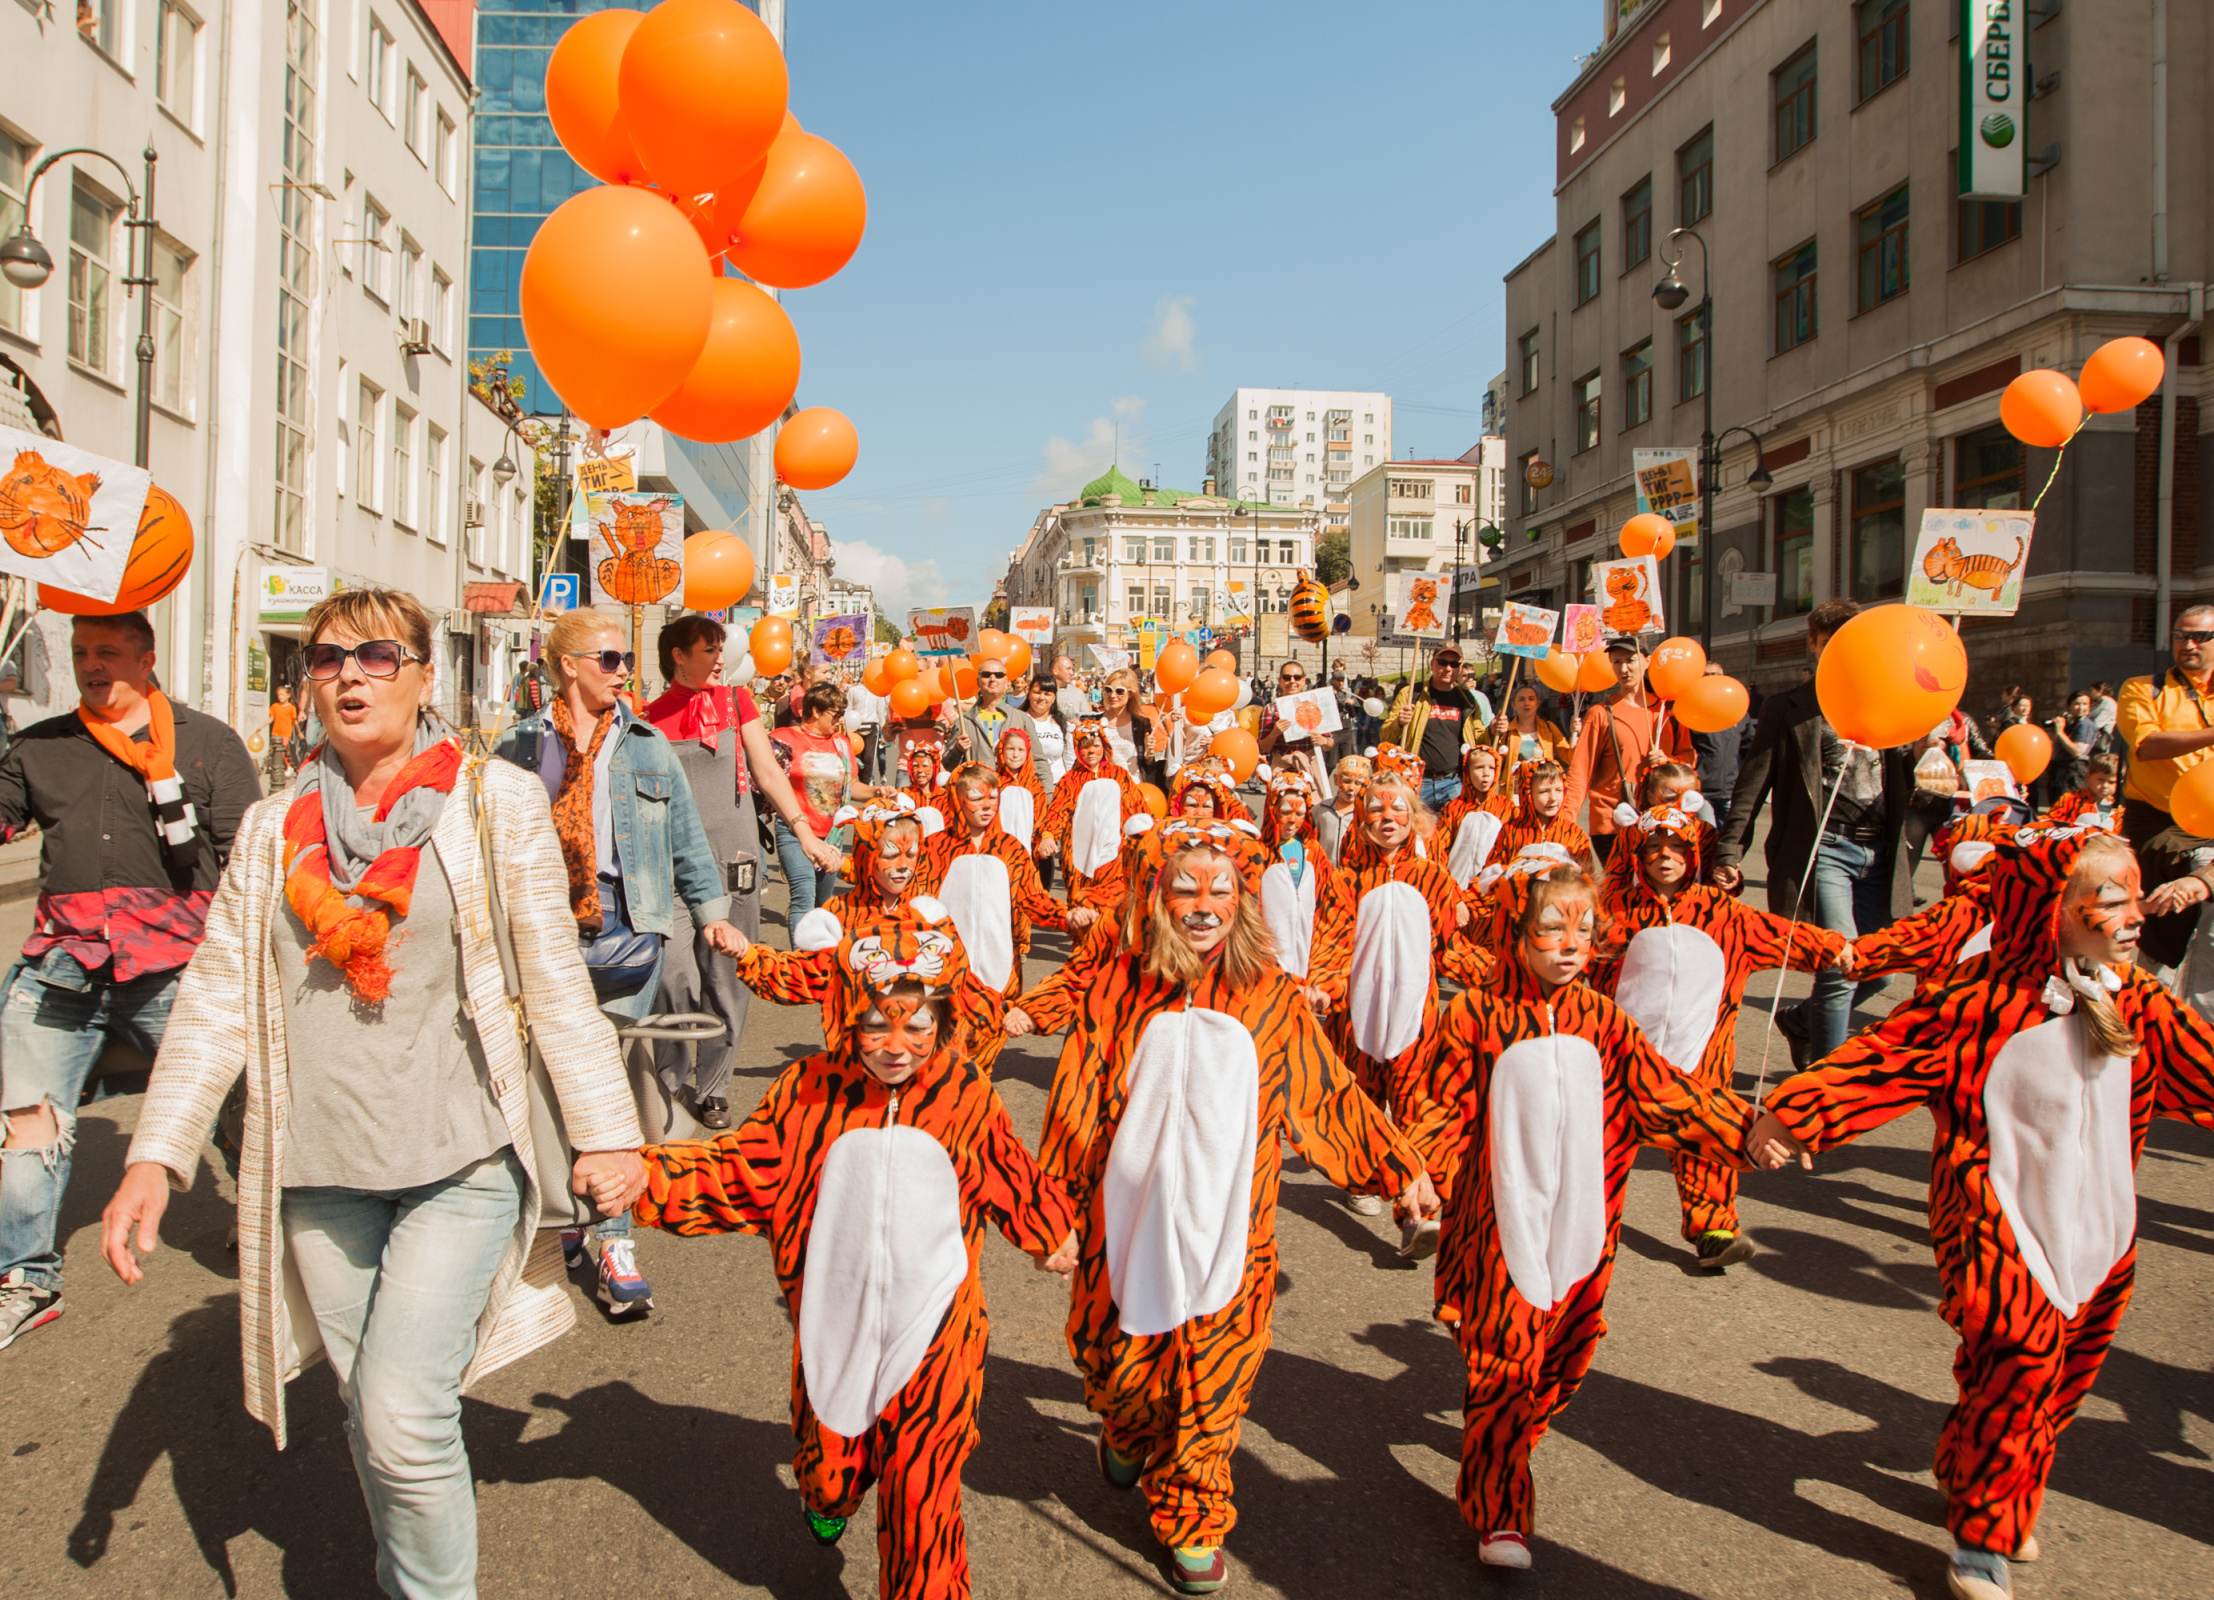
<point>1819,1264</point>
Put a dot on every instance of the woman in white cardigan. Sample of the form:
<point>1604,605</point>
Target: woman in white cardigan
<point>387,1199</point>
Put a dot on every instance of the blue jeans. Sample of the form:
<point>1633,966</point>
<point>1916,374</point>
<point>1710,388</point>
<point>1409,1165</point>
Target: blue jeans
<point>1852,896</point>
<point>810,885</point>
<point>1437,792</point>
<point>52,1030</point>
<point>397,1279</point>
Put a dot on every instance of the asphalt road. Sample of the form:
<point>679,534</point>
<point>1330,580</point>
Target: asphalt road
<point>1764,1433</point>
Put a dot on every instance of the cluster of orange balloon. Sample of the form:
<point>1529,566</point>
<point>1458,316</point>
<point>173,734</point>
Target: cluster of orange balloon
<point>916,688</point>
<point>2044,408</point>
<point>770,645</point>
<point>1203,688</point>
<point>1648,534</point>
<point>1890,675</point>
<point>682,113</point>
<point>1572,674</point>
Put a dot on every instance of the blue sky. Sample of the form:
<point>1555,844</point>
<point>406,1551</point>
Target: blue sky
<point>1056,244</point>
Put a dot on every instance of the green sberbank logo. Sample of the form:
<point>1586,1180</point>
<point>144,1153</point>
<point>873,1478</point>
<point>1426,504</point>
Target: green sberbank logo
<point>1997,130</point>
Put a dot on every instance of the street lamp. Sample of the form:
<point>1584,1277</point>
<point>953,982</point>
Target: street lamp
<point>1670,294</point>
<point>27,264</point>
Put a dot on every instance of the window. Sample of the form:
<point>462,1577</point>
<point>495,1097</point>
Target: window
<point>409,299</point>
<point>1091,602</point>
<point>380,68</point>
<point>1252,455</point>
<point>91,238</point>
<point>1411,489</point>
<point>1210,548</point>
<point>442,312</point>
<point>1164,550</point>
<point>434,487</point>
<point>1878,554</point>
<point>1253,436</point>
<point>1794,84</point>
<point>177,61</point>
<point>365,445</point>
<point>1135,605</point>
<point>1586,400</point>
<point>1637,224</point>
<point>1199,602</point>
<point>1795,316</point>
<point>1526,362</point>
<point>403,466</point>
<point>443,159</point>
<point>1409,527</point>
<point>1237,552</point>
<point>100,22</point>
<point>414,125</point>
<point>1883,250</point>
<point>375,223</point>
<point>1618,95</point>
<point>1695,179</point>
<point>1260,552</point>
<point>1287,553</point>
<point>172,360</point>
<point>1163,605</point>
<point>15,157</point>
<point>296,279</point>
<point>1193,543</point>
<point>1133,550</point>
<point>1252,416</point>
<point>1637,385</point>
<point>1883,44</point>
<point>1691,357</point>
<point>1464,494</point>
<point>1587,265</point>
<point>1794,552</point>
<point>1987,471</point>
<point>1575,135</point>
<point>1529,489</point>
<point>1661,54</point>
<point>1982,225</point>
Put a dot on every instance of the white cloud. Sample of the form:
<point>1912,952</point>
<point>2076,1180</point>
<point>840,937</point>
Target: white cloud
<point>898,583</point>
<point>1169,343</point>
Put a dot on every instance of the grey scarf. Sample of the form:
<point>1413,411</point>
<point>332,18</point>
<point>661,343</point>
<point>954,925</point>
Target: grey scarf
<point>352,841</point>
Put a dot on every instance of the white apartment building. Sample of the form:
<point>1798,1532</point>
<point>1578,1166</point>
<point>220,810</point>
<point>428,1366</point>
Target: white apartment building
<point>1414,516</point>
<point>1299,447</point>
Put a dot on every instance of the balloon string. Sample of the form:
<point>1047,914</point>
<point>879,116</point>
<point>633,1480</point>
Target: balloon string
<point>1791,934</point>
<point>2058,456</point>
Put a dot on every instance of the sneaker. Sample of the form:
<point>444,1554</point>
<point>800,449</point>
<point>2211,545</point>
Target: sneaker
<point>1198,1568</point>
<point>1719,1248</point>
<point>2027,1552</point>
<point>825,1531</point>
<point>572,1248</point>
<point>1418,1240</point>
<point>1978,1575</point>
<point>623,1289</point>
<point>1794,1029</point>
<point>24,1306</point>
<point>714,1112</point>
<point>1505,1549</point>
<point>1368,1205</point>
<point>1119,1472</point>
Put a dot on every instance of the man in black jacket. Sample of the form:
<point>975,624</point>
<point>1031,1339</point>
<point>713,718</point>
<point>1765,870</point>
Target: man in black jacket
<point>137,801</point>
<point>1793,760</point>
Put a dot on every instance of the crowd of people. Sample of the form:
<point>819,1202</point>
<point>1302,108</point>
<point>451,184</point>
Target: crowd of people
<point>1467,957</point>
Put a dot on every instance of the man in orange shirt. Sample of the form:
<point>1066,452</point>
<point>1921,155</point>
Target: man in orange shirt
<point>1617,737</point>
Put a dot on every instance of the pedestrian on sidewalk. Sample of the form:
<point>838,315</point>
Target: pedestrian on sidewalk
<point>137,801</point>
<point>388,1184</point>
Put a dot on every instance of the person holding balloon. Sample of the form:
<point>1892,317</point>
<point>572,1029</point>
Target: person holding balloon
<point>1623,734</point>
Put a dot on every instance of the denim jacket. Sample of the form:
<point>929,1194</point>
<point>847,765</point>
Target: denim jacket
<point>659,841</point>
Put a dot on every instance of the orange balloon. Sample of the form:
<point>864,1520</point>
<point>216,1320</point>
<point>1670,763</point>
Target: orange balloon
<point>2025,749</point>
<point>1712,704</point>
<point>991,645</point>
<point>2041,408</point>
<point>582,99</point>
<point>1175,666</point>
<point>1156,802</point>
<point>1557,671</point>
<point>161,554</point>
<point>902,663</point>
<point>1223,659</point>
<point>910,699</point>
<point>1212,692</point>
<point>1595,673</point>
<point>616,300</point>
<point>959,677</point>
<point>2120,376</point>
<point>702,88</point>
<point>873,678</point>
<point>718,570</point>
<point>1648,534</point>
<point>1240,749</point>
<point>771,645</point>
<point>1018,658</point>
<point>935,685</point>
<point>816,448</point>
<point>1890,675</point>
<point>1674,666</point>
<point>2191,802</point>
<point>744,377</point>
<point>806,216</point>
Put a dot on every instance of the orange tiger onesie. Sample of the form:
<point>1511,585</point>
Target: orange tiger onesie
<point>874,1198</point>
<point>1306,899</point>
<point>1169,1107</point>
<point>1525,827</point>
<point>2032,1198</point>
<point>1678,963</point>
<point>1470,826</point>
<point>1951,928</point>
<point>1085,817</point>
<point>1530,1106</point>
<point>997,896</point>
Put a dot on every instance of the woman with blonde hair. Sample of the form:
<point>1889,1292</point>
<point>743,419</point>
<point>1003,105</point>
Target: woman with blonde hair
<point>1135,741</point>
<point>387,1182</point>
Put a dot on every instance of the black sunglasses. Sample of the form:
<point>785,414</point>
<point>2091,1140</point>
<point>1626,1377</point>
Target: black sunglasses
<point>992,677</point>
<point>2196,635</point>
<point>609,660</point>
<point>377,658</point>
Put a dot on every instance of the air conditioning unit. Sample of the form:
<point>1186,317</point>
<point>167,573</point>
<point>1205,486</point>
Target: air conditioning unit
<point>472,512</point>
<point>415,336</point>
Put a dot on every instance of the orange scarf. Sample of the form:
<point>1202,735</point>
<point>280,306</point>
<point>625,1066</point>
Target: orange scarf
<point>353,938</point>
<point>154,760</point>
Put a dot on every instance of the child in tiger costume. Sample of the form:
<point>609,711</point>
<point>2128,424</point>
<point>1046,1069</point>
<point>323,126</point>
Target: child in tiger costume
<point>1192,1058</point>
<point>1952,928</point>
<point>874,1169</point>
<point>1306,901</point>
<point>1022,793</point>
<point>2043,1062</point>
<point>1529,1104</point>
<point>1541,816</point>
<point>1083,824</point>
<point>1676,954</point>
<point>1470,825</point>
<point>987,880</point>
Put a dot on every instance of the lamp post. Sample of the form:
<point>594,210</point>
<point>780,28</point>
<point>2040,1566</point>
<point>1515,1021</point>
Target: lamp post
<point>1670,294</point>
<point>27,264</point>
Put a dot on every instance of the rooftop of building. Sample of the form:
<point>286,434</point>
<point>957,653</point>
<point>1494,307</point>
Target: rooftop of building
<point>1116,482</point>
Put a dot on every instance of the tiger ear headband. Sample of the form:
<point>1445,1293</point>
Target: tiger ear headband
<point>918,944</point>
<point>1240,841</point>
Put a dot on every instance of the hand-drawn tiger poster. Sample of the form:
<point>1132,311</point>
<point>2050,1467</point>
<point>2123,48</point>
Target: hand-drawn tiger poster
<point>67,516</point>
<point>1525,630</point>
<point>841,641</point>
<point>1970,561</point>
<point>1309,714</point>
<point>637,548</point>
<point>1629,595</point>
<point>1418,601</point>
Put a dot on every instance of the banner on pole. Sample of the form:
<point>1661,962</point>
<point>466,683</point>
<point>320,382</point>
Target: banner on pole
<point>839,640</point>
<point>637,547</point>
<point>1668,483</point>
<point>1417,603</point>
<point>1970,562</point>
<point>1633,593</point>
<point>1581,630</point>
<point>1994,99</point>
<point>1033,625</point>
<point>1526,630</point>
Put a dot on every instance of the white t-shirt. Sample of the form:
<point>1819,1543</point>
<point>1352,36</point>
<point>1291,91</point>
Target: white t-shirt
<point>1123,746</point>
<point>1051,751</point>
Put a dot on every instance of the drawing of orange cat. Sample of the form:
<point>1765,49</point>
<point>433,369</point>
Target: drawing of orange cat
<point>1422,595</point>
<point>44,510</point>
<point>1946,567</point>
<point>1521,629</point>
<point>1628,612</point>
<point>633,574</point>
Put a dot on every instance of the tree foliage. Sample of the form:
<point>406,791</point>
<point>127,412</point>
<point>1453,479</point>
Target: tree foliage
<point>1333,557</point>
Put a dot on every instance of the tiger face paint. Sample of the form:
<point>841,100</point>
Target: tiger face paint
<point>895,1038</point>
<point>898,854</point>
<point>2101,912</point>
<point>1291,811</point>
<point>1091,749</point>
<point>1197,800</point>
<point>1555,944</point>
<point>979,804</point>
<point>922,767</point>
<point>1387,816</point>
<point>1665,862</point>
<point>1200,894</point>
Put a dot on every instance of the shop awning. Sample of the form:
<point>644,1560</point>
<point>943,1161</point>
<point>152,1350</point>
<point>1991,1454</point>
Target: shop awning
<point>492,598</point>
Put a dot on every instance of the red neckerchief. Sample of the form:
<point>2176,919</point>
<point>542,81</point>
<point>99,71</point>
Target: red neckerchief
<point>702,714</point>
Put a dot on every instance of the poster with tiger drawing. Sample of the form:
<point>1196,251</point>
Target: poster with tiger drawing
<point>1970,562</point>
<point>67,516</point>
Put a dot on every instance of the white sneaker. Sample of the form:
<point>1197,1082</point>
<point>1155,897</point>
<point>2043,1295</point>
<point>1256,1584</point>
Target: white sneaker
<point>1418,1240</point>
<point>1978,1575</point>
<point>1368,1205</point>
<point>1505,1550</point>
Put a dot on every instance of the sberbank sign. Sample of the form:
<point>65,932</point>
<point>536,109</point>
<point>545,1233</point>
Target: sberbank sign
<point>1994,98</point>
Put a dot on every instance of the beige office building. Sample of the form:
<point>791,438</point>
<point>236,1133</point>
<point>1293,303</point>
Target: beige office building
<point>1413,516</point>
<point>1866,318</point>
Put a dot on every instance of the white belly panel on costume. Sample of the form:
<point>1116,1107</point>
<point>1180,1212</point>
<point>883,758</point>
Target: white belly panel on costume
<point>977,896</point>
<point>1390,981</point>
<point>1095,828</point>
<point>1178,1192</point>
<point>1671,985</point>
<point>1977,944</point>
<point>1549,1164</point>
<point>1289,910</point>
<point>1472,843</point>
<point>1018,813</point>
<point>2059,1129</point>
<point>885,1258</point>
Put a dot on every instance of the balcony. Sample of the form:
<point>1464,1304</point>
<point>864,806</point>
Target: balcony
<point>1076,561</point>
